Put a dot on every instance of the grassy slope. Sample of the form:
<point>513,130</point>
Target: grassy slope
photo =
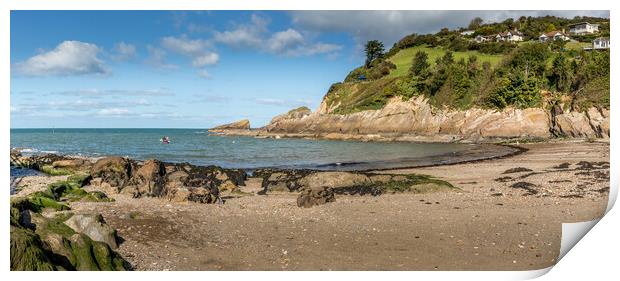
<point>403,58</point>
<point>370,95</point>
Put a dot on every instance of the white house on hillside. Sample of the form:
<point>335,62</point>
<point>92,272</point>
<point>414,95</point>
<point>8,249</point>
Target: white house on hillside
<point>467,32</point>
<point>481,39</point>
<point>509,36</point>
<point>553,36</point>
<point>583,28</point>
<point>600,43</point>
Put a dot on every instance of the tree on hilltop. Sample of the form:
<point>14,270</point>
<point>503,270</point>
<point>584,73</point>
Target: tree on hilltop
<point>475,23</point>
<point>374,49</point>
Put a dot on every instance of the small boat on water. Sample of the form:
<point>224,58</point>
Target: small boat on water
<point>165,140</point>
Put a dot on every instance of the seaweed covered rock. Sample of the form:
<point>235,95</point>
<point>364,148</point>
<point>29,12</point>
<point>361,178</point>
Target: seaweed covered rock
<point>50,244</point>
<point>93,255</point>
<point>281,180</point>
<point>60,240</point>
<point>27,251</point>
<point>348,183</point>
<point>193,185</point>
<point>94,227</point>
<point>72,165</point>
<point>318,195</point>
<point>115,171</point>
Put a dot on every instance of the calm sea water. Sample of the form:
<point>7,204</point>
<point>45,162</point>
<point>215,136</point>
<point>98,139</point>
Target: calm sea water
<point>198,147</point>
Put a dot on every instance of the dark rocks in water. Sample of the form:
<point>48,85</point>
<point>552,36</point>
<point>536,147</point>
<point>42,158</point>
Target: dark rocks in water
<point>528,187</point>
<point>315,196</point>
<point>517,170</point>
<point>564,165</point>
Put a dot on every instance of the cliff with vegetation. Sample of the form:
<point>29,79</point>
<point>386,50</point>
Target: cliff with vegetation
<point>446,86</point>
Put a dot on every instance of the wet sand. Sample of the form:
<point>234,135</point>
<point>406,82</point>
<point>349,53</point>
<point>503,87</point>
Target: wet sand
<point>491,225</point>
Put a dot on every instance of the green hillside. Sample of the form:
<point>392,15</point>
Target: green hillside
<point>404,58</point>
<point>456,72</point>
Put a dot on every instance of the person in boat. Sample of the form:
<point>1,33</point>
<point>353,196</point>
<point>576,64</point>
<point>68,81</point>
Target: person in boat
<point>165,140</point>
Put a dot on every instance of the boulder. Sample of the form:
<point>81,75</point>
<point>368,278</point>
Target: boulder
<point>148,179</point>
<point>61,247</point>
<point>334,180</point>
<point>93,226</point>
<point>180,194</point>
<point>318,195</point>
<point>73,164</point>
<point>115,171</point>
<point>280,180</point>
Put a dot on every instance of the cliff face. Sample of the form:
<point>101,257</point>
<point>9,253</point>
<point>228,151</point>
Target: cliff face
<point>417,117</point>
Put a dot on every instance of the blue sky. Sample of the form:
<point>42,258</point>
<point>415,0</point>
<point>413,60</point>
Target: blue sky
<point>195,69</point>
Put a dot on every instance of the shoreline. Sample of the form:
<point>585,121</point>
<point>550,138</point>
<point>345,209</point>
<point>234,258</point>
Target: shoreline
<point>358,166</point>
<point>473,229</point>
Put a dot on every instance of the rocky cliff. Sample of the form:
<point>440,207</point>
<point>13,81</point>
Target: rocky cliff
<point>417,118</point>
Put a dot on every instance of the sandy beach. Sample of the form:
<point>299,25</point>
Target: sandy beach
<point>502,220</point>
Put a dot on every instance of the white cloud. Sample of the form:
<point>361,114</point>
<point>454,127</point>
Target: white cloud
<point>390,26</point>
<point>68,58</point>
<point>124,51</point>
<point>97,93</point>
<point>157,58</point>
<point>255,35</point>
<point>283,40</point>
<point>245,35</point>
<point>114,112</point>
<point>207,59</point>
<point>283,102</point>
<point>204,74</point>
<point>196,49</point>
<point>185,46</point>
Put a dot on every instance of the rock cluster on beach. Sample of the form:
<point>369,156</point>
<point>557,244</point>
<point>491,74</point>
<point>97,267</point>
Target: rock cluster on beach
<point>153,178</point>
<point>46,235</point>
<point>319,187</point>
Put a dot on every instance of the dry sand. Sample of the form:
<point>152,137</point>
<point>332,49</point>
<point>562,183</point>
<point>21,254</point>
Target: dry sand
<point>488,226</point>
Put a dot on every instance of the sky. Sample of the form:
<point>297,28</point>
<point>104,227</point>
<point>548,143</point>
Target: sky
<point>196,69</point>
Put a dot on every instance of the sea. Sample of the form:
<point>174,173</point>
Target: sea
<point>199,147</point>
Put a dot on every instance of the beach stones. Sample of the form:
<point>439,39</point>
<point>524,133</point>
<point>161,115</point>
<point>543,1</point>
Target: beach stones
<point>317,195</point>
<point>93,226</point>
<point>115,171</point>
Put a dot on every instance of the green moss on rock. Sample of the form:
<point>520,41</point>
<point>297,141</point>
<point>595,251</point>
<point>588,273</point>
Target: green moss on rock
<point>50,170</point>
<point>27,251</point>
